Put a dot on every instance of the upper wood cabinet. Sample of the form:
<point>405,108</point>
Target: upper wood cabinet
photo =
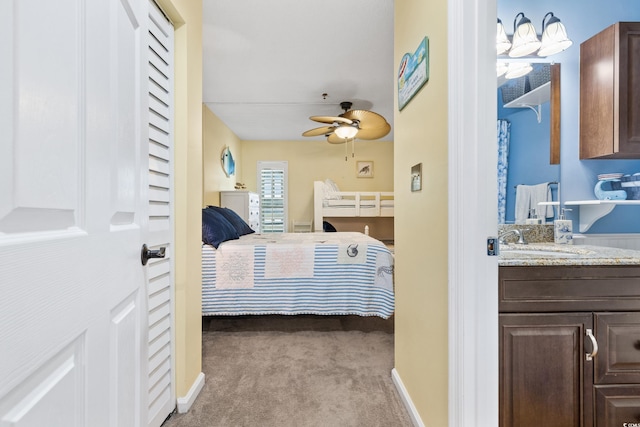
<point>610,93</point>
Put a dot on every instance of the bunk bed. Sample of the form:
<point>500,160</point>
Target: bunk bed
<point>329,201</point>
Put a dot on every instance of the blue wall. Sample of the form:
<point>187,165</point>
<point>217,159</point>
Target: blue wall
<point>582,19</point>
<point>528,152</point>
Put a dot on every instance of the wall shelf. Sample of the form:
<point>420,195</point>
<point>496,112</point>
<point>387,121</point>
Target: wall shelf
<point>533,99</point>
<point>593,210</point>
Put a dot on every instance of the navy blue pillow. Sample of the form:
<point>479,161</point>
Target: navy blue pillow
<point>236,220</point>
<point>327,226</point>
<point>216,229</point>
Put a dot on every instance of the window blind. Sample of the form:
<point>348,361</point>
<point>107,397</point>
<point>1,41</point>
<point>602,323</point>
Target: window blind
<point>273,196</point>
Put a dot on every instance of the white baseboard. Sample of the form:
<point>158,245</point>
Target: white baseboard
<point>184,403</point>
<point>406,399</point>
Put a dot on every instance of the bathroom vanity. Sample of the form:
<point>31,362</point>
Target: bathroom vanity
<point>569,319</point>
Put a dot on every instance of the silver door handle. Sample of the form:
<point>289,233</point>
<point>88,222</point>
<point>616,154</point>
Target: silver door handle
<point>594,343</point>
<point>146,253</point>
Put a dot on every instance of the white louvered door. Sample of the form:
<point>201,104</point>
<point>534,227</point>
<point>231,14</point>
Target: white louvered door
<point>73,212</point>
<point>160,390</point>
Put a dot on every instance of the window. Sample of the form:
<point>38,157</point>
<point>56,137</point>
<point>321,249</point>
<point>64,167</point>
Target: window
<point>272,185</point>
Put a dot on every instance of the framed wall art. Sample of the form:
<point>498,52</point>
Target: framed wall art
<point>413,73</point>
<point>364,169</point>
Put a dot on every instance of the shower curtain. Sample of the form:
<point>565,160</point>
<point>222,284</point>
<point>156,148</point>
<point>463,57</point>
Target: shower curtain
<point>503,161</point>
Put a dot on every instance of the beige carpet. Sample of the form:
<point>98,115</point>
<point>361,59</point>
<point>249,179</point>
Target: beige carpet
<point>297,371</point>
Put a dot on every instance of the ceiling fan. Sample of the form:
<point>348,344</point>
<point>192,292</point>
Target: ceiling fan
<point>351,124</point>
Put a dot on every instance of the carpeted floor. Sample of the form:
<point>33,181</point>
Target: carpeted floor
<point>297,371</point>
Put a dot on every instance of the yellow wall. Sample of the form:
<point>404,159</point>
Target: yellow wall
<point>187,18</point>
<point>216,136</point>
<point>310,161</point>
<point>421,217</point>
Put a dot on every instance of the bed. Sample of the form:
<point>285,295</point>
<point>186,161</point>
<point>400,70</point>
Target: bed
<point>329,201</point>
<point>298,273</point>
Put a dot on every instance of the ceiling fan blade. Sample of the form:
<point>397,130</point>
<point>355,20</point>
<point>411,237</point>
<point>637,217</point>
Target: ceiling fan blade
<point>367,119</point>
<point>331,119</point>
<point>374,133</point>
<point>335,139</point>
<point>319,131</point>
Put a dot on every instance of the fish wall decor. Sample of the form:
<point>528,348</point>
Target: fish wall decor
<point>228,164</point>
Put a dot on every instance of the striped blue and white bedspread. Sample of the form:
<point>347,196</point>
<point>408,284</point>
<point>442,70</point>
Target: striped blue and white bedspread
<point>298,273</point>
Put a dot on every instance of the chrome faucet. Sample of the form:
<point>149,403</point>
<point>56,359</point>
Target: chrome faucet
<point>517,232</point>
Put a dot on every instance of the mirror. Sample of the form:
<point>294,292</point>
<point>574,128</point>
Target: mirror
<point>529,113</point>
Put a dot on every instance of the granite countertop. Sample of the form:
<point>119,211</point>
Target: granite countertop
<point>553,254</point>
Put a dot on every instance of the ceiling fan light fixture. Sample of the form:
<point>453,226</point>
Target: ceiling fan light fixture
<point>364,124</point>
<point>525,39</point>
<point>346,131</point>
<point>554,36</point>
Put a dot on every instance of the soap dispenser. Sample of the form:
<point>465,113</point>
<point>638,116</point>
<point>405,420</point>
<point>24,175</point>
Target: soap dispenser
<point>563,229</point>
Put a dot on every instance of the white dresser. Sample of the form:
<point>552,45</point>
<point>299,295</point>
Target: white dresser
<point>244,203</point>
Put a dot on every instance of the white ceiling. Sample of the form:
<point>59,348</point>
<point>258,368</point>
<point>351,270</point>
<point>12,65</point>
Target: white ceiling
<point>266,64</point>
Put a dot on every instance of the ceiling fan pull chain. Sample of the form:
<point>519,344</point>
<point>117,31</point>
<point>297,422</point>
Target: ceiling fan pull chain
<point>353,147</point>
<point>346,151</point>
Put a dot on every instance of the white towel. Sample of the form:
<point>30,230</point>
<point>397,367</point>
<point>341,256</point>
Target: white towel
<point>541,193</point>
<point>523,200</point>
<point>528,197</point>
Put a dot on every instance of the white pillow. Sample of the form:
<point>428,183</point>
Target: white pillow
<point>330,190</point>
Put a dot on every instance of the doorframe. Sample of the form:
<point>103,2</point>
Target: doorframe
<point>473,276</point>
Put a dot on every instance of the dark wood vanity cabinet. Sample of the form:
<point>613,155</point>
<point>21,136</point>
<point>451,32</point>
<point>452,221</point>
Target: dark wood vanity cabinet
<point>551,321</point>
<point>610,93</point>
<point>543,380</point>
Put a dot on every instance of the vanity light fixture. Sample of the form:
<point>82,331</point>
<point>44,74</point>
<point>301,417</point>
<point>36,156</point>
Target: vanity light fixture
<point>502,41</point>
<point>517,69</point>
<point>525,40</point>
<point>501,68</point>
<point>554,36</point>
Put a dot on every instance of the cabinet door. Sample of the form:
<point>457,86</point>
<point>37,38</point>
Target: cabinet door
<point>618,336</point>
<point>545,379</point>
<point>597,95</point>
<point>618,406</point>
<point>629,97</point>
<point>610,93</point>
